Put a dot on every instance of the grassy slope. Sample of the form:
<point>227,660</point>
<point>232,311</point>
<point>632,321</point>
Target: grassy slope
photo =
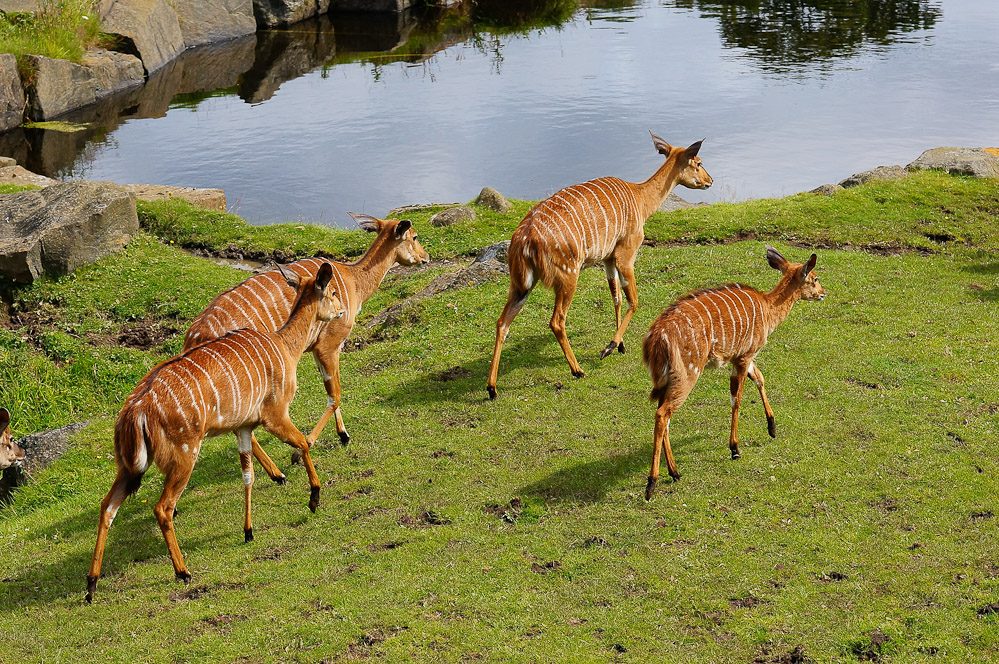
<point>886,406</point>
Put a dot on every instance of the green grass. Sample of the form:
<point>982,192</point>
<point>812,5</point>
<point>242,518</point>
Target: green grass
<point>62,29</point>
<point>869,514</point>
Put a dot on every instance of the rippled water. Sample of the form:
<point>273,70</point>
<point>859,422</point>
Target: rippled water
<point>364,114</point>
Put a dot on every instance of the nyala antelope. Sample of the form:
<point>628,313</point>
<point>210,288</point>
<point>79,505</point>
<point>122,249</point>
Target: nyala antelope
<point>713,327</point>
<point>263,302</point>
<point>600,221</point>
<point>11,453</point>
<point>235,383</point>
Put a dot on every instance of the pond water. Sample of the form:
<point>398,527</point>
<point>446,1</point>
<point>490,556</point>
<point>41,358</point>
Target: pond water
<point>365,113</point>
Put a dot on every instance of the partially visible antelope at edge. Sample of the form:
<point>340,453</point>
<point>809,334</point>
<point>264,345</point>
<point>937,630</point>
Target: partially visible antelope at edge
<point>263,302</point>
<point>600,221</point>
<point>11,453</point>
<point>235,383</point>
<point>713,327</point>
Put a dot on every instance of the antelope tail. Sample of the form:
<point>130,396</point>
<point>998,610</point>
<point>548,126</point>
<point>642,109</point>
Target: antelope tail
<point>132,446</point>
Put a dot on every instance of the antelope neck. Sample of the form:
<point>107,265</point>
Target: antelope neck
<point>370,269</point>
<point>654,191</point>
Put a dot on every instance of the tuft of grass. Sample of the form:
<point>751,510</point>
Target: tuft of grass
<point>62,29</point>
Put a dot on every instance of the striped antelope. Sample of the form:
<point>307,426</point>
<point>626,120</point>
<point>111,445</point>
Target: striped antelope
<point>11,453</point>
<point>263,302</point>
<point>600,221</point>
<point>713,327</point>
<point>235,383</point>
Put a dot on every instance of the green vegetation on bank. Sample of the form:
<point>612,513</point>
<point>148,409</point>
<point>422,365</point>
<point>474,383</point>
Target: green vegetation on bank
<point>60,29</point>
<point>458,529</point>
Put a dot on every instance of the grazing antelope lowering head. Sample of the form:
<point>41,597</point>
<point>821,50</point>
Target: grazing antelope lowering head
<point>600,221</point>
<point>712,327</point>
<point>234,383</point>
<point>11,453</point>
<point>264,302</point>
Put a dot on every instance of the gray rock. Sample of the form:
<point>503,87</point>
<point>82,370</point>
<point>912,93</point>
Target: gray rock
<point>403,210</point>
<point>11,173</point>
<point>11,93</point>
<point>151,26</point>
<point>496,251</point>
<point>452,216</point>
<point>60,86</point>
<point>674,202</point>
<point>113,71</point>
<point>210,199</point>
<point>19,5</point>
<point>826,189</point>
<point>879,173</point>
<point>977,162</point>
<point>58,229</point>
<point>493,200</point>
<point>209,21</point>
<point>270,13</point>
<point>40,451</point>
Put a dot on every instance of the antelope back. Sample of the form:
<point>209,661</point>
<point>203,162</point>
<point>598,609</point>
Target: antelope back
<point>10,452</point>
<point>265,301</point>
<point>580,224</point>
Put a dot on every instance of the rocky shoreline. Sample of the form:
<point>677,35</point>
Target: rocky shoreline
<point>151,34</point>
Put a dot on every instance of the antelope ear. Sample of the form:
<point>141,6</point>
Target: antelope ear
<point>402,227</point>
<point>691,151</point>
<point>323,276</point>
<point>365,221</point>
<point>809,266</point>
<point>662,147</point>
<point>4,419</point>
<point>776,261</point>
<point>289,275</point>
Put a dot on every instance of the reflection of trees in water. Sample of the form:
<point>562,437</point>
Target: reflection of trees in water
<point>521,15</point>
<point>785,33</point>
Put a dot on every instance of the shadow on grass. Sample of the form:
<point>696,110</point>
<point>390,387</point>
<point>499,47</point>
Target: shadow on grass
<point>589,482</point>
<point>985,269</point>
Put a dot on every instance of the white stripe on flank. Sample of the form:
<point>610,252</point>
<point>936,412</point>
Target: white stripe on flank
<point>606,226</point>
<point>277,284</point>
<point>733,316</point>
<point>199,404</point>
<point>277,353</point>
<point>568,216</point>
<point>211,384</point>
<point>231,343</point>
<point>251,288</point>
<point>617,205</point>
<point>236,396</point>
<point>248,309</point>
<point>710,332</point>
<point>588,242</point>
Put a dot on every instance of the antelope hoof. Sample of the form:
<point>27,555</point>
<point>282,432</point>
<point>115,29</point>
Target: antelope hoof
<point>314,499</point>
<point>620,347</point>
<point>771,427</point>
<point>578,374</point>
<point>175,512</point>
<point>91,588</point>
<point>344,438</point>
<point>735,454</point>
<point>247,535</point>
<point>184,576</point>
<point>280,479</point>
<point>492,392</point>
<point>610,349</point>
<point>650,488</point>
<point>675,474</point>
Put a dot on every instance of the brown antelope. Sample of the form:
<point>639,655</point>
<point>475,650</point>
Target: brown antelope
<point>713,327</point>
<point>235,383</point>
<point>603,221</point>
<point>263,302</point>
<point>11,453</point>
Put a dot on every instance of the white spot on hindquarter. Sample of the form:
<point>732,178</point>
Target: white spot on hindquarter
<point>186,447</point>
<point>690,366</point>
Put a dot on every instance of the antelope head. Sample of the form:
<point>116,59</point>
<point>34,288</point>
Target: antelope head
<point>408,250</point>
<point>692,174</point>
<point>803,277</point>
<point>11,453</point>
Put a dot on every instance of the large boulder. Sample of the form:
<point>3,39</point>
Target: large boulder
<point>977,162</point>
<point>11,93</point>
<point>150,25</point>
<point>59,87</point>
<point>880,173</point>
<point>493,200</point>
<point>11,173</point>
<point>58,229</point>
<point>672,202</point>
<point>270,13</point>
<point>113,71</point>
<point>452,216</point>
<point>209,21</point>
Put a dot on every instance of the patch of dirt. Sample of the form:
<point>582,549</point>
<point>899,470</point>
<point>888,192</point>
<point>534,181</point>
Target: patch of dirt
<point>796,656</point>
<point>595,541</point>
<point>833,576</point>
<point>441,453</point>
<point>546,568</point>
<point>273,553</point>
<point>362,491</point>
<point>142,334</point>
<point>361,649</point>
<point>509,512</point>
<point>862,383</point>
<point>886,504</point>
<point>989,609</point>
<point>425,520</point>
<point>747,602</point>
<point>872,647</point>
<point>202,590</point>
<point>979,516</point>
<point>939,238</point>
<point>454,373</point>
<point>222,623</point>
